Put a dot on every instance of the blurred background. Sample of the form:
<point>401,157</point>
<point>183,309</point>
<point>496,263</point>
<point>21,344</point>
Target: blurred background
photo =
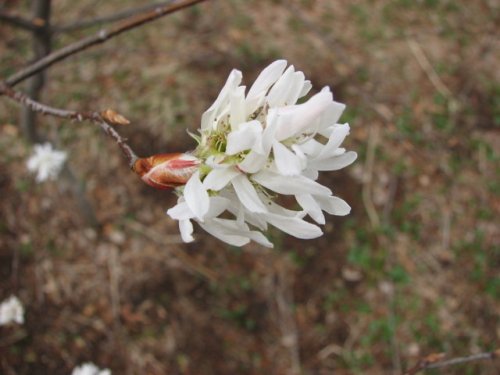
<point>413,270</point>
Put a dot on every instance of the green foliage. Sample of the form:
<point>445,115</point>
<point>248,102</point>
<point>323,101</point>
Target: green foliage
<point>239,315</point>
<point>408,128</point>
<point>399,275</point>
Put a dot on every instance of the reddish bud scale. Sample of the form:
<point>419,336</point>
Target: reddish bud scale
<point>166,171</point>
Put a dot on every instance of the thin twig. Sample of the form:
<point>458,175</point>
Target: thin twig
<point>18,21</point>
<point>78,189</point>
<point>117,16</point>
<point>114,269</point>
<point>368,178</point>
<point>424,63</point>
<point>287,322</point>
<point>101,36</point>
<point>436,361</point>
<point>104,119</point>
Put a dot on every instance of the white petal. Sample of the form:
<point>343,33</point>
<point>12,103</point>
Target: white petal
<point>232,82</point>
<point>312,147</point>
<point>247,195</point>
<point>311,174</point>
<point>302,157</point>
<point>180,211</point>
<point>295,88</point>
<point>278,94</point>
<point>253,162</point>
<point>305,89</point>
<point>223,233</point>
<point>260,239</point>
<point>287,163</point>
<point>196,196</point>
<point>294,226</point>
<point>289,185</point>
<point>309,204</point>
<point>269,133</point>
<point>186,229</point>
<point>237,209</point>
<point>254,103</point>
<point>244,138</point>
<point>218,178</point>
<point>217,206</point>
<point>275,208</point>
<point>337,136</point>
<point>236,232</point>
<point>237,107</point>
<point>334,205</point>
<point>333,163</point>
<point>302,117</point>
<point>267,78</point>
<point>218,232</point>
<point>331,115</point>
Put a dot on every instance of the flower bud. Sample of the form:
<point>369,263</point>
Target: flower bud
<point>166,171</point>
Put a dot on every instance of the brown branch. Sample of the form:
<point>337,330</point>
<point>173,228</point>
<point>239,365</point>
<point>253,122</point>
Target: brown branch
<point>104,119</point>
<point>101,36</point>
<point>117,16</point>
<point>18,21</point>
<point>436,361</point>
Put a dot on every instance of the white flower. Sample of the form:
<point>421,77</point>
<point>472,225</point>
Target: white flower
<point>11,310</point>
<point>89,369</point>
<point>46,162</point>
<point>254,148</point>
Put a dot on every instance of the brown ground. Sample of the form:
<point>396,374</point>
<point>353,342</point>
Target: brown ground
<point>413,270</point>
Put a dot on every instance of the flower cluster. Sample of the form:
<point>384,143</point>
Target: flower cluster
<point>89,369</point>
<point>11,310</point>
<point>259,145</point>
<point>46,162</point>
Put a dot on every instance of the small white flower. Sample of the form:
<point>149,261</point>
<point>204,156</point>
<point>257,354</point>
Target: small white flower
<point>46,162</point>
<point>254,148</point>
<point>89,369</point>
<point>11,310</point>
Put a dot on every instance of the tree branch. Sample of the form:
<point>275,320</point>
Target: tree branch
<point>19,21</point>
<point>104,119</point>
<point>117,16</point>
<point>436,361</point>
<point>101,36</point>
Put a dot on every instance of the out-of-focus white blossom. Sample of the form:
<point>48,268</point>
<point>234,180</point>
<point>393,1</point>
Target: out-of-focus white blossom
<point>46,162</point>
<point>257,145</point>
<point>89,369</point>
<point>11,310</point>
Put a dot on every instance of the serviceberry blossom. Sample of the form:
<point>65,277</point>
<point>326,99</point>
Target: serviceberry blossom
<point>11,310</point>
<point>46,162</point>
<point>89,369</point>
<point>255,147</point>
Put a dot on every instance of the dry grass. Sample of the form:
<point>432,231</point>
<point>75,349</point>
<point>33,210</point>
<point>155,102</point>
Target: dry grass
<point>412,271</point>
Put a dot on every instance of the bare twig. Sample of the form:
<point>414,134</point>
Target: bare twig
<point>288,325</point>
<point>104,119</point>
<point>436,361</point>
<point>78,189</point>
<point>114,269</point>
<point>18,21</point>
<point>424,63</point>
<point>367,182</point>
<point>101,36</point>
<point>117,16</point>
